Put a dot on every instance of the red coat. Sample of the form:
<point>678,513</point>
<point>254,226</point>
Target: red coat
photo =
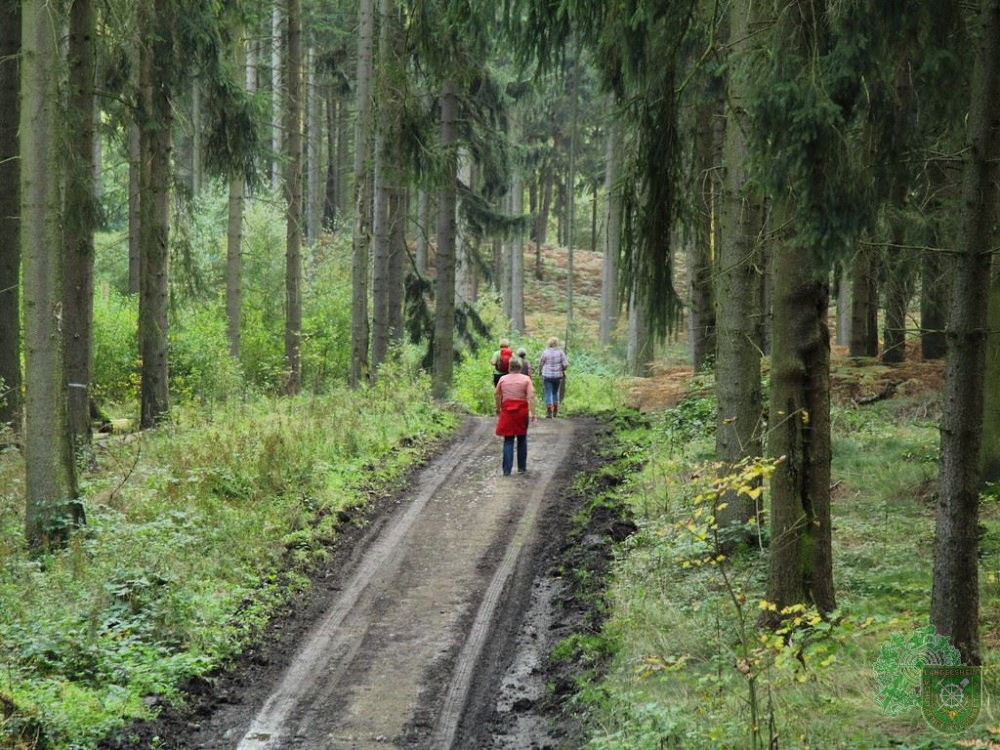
<point>513,419</point>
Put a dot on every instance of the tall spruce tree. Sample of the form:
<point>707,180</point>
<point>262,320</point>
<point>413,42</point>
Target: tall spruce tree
<point>955,585</point>
<point>52,507</point>
<point>10,250</point>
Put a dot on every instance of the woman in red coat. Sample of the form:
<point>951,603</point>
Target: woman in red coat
<point>515,399</point>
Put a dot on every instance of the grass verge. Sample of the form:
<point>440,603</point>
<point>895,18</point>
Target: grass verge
<point>196,534</point>
<point>681,675</point>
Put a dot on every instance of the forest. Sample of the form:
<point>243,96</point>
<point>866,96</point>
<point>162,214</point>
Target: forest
<point>254,258</point>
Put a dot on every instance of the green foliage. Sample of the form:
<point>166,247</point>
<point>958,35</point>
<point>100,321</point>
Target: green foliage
<point>195,536</point>
<point>692,417</point>
<point>681,670</point>
<point>116,349</point>
<point>200,366</point>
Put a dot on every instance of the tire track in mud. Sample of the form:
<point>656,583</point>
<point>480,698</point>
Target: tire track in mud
<point>458,690</point>
<point>391,661</point>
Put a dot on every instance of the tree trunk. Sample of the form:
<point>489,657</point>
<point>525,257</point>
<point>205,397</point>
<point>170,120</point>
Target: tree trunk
<point>505,263</point>
<point>313,206</point>
<point>10,250</point>
<point>900,266</point>
<point>898,293</point>
<point>423,230</point>
<point>560,210</point>
<point>610,301</point>
<point>700,250</point>
<point>639,350</point>
<point>444,287</point>
<point>990,452</point>
<point>843,337</point>
<point>542,226</point>
<point>135,157</point>
<point>380,242</point>
<point>50,479</point>
<point>594,197</point>
<point>571,193</point>
<point>345,167</point>
<point>234,240</point>
<point>517,258</point>
<point>276,111</point>
<point>293,197</point>
<point>154,203</point>
<point>739,296</point>
<point>362,222</point>
<point>234,265</point>
<point>197,176</point>
<point>801,564</point>
<point>864,305</point>
<point>330,187</point>
<point>387,284</point>
<point>79,220</point>
<point>933,306</point>
<point>398,204</point>
<point>955,585</point>
<point>463,264</point>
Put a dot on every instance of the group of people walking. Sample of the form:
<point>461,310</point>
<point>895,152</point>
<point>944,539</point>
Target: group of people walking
<point>514,393</point>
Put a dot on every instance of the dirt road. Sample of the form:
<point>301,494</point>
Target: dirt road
<point>429,631</point>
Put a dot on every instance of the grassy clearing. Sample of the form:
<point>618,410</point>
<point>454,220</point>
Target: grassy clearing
<point>680,676</point>
<point>196,533</point>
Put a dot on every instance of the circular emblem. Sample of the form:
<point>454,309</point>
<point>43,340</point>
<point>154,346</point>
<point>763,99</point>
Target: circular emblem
<point>900,663</point>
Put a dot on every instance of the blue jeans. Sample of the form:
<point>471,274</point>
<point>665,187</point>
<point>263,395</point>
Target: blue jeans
<point>508,453</point>
<point>551,386</point>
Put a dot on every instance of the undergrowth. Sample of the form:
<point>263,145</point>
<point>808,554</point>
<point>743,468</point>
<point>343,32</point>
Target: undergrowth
<point>689,667</point>
<point>196,533</point>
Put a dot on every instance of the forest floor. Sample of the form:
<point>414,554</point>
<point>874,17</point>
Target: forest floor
<point>431,625</point>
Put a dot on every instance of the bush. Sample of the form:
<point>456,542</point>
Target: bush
<point>116,348</point>
<point>200,366</point>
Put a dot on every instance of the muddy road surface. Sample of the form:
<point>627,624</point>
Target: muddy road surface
<point>429,629</point>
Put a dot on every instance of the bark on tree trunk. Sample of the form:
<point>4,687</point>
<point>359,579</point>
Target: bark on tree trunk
<point>154,204</point>
<point>380,248</point>
<point>933,306</point>
<point>898,293</point>
<point>542,227</point>
<point>517,260</point>
<point>639,353</point>
<point>864,305</point>
<point>463,264</point>
<point>423,230</point>
<point>313,203</point>
<point>10,250</point>
<point>276,112</point>
<point>444,288</point>
<point>398,201</point>
<point>362,221</point>
<point>293,197</point>
<point>78,222</point>
<point>51,507</point>
<point>610,301</point>
<point>135,157</point>
<point>801,564</point>
<point>234,242</point>
<point>234,265</point>
<point>740,317</point>
<point>330,186</point>
<point>955,585</point>
<point>843,336</point>
<point>700,250</point>
<point>990,452</point>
